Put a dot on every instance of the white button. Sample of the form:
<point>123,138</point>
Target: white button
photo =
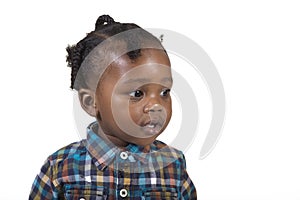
<point>82,198</point>
<point>123,193</point>
<point>124,155</point>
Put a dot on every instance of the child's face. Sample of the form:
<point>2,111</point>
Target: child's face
<point>133,100</point>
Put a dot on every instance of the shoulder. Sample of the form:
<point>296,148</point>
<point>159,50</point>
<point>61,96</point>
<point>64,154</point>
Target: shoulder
<point>71,151</point>
<point>169,151</point>
<point>159,145</point>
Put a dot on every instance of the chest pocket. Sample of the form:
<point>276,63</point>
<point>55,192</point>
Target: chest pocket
<point>84,192</point>
<point>160,193</point>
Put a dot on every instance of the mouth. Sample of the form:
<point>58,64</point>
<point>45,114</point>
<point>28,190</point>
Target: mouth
<point>152,128</point>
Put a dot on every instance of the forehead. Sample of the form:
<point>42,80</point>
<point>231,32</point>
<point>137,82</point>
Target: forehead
<point>147,56</point>
<point>147,74</point>
<point>151,66</point>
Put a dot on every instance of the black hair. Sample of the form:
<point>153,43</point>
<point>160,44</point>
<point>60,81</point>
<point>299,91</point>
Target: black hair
<point>105,27</point>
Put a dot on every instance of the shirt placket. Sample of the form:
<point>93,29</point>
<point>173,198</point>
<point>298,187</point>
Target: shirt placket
<point>124,165</point>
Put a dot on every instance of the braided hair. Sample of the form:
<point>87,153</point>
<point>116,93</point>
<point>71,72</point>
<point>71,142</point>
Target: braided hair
<point>105,27</point>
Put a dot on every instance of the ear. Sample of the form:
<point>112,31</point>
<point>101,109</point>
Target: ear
<point>87,101</point>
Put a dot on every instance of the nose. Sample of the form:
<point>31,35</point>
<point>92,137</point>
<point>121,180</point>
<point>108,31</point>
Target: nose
<point>153,108</point>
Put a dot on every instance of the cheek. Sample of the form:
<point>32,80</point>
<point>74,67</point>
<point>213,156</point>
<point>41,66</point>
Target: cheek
<point>136,112</point>
<point>167,104</point>
<point>104,104</point>
<point>169,109</point>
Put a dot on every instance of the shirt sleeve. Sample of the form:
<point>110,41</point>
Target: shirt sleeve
<point>42,187</point>
<point>188,190</point>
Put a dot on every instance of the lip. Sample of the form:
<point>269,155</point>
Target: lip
<point>151,128</point>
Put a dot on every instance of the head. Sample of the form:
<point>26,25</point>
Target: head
<point>123,78</point>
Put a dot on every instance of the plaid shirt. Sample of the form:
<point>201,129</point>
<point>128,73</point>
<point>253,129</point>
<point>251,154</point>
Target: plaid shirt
<point>96,169</point>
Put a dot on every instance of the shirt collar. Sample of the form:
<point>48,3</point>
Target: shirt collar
<point>100,148</point>
<point>104,151</point>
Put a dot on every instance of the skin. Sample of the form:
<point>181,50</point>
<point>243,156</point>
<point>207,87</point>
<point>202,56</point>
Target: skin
<point>137,104</point>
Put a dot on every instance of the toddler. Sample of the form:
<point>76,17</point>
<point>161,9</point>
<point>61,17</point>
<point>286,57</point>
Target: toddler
<point>123,78</point>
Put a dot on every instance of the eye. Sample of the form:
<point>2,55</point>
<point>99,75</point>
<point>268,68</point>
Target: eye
<point>165,92</point>
<point>136,94</point>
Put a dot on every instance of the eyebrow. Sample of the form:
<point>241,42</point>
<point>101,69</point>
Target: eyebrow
<point>145,80</point>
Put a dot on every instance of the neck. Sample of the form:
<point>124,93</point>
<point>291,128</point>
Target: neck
<point>116,141</point>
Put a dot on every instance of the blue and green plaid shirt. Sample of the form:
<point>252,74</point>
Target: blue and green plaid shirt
<point>96,169</point>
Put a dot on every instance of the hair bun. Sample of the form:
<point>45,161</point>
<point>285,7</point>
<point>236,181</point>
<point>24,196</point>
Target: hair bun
<point>102,20</point>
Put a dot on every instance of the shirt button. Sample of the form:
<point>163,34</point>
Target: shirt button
<point>123,193</point>
<point>124,155</point>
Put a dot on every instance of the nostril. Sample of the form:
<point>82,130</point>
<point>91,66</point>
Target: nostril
<point>155,110</point>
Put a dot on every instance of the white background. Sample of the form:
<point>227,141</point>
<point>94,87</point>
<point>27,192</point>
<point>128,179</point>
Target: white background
<point>255,46</point>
